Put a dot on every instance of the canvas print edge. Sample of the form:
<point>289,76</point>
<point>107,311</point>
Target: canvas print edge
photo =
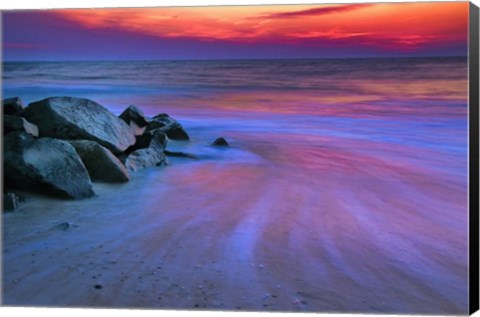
<point>473,164</point>
<point>474,153</point>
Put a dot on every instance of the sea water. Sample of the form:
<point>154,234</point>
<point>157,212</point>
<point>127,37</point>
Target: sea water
<point>356,166</point>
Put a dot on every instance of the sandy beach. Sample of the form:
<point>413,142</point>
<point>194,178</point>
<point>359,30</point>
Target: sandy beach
<point>267,158</point>
<point>298,225</point>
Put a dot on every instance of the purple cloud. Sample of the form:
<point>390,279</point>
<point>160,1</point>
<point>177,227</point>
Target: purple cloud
<point>317,11</point>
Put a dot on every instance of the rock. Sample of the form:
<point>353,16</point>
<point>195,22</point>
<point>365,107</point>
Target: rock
<point>133,114</point>
<point>175,132</point>
<point>143,158</point>
<point>101,164</point>
<point>161,115</point>
<point>13,123</point>
<point>154,138</point>
<point>12,106</point>
<point>220,142</point>
<point>147,151</point>
<point>79,119</point>
<point>135,118</point>
<point>157,139</point>
<point>136,130</point>
<point>180,154</point>
<point>154,125</point>
<point>169,126</point>
<point>44,165</point>
<point>10,201</point>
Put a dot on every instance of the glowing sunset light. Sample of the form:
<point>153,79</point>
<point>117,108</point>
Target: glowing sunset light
<point>408,24</point>
<point>426,29</point>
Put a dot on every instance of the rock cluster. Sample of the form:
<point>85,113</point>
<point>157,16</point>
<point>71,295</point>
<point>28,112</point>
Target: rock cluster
<point>59,145</point>
<point>79,119</point>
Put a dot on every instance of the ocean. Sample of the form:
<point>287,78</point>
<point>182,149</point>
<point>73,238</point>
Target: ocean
<point>346,182</point>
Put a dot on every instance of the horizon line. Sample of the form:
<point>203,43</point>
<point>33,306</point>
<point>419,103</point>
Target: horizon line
<point>230,59</point>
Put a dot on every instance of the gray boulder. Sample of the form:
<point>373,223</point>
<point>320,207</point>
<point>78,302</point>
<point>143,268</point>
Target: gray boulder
<point>101,164</point>
<point>148,151</point>
<point>79,119</point>
<point>13,123</point>
<point>154,138</point>
<point>143,158</point>
<point>136,130</point>
<point>160,121</point>
<point>44,165</point>
<point>176,132</point>
<point>133,114</point>
<point>12,106</point>
<point>135,119</point>
<point>154,125</point>
<point>164,123</point>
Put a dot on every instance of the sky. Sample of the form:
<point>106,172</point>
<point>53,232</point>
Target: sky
<point>238,32</point>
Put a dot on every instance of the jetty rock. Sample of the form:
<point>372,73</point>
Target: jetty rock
<point>72,118</point>
<point>142,158</point>
<point>220,142</point>
<point>148,151</point>
<point>134,114</point>
<point>44,165</point>
<point>12,106</point>
<point>101,164</point>
<point>13,123</point>
<point>155,138</point>
<point>135,118</point>
<point>164,123</point>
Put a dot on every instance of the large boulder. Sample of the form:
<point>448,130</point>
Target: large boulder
<point>12,106</point>
<point>135,118</point>
<point>79,119</point>
<point>13,123</point>
<point>44,165</point>
<point>101,164</point>
<point>143,158</point>
<point>164,123</point>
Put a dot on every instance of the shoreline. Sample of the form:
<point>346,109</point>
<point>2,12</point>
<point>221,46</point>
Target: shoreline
<point>267,243</point>
<point>321,204</point>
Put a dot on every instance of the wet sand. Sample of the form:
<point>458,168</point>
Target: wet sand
<point>305,224</point>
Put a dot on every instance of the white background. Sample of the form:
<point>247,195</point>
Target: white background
<point>47,4</point>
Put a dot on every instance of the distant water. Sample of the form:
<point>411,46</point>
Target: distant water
<point>365,154</point>
<point>355,86</point>
<point>419,102</point>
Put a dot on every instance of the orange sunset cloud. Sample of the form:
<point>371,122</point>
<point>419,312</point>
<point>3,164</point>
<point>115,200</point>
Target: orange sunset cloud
<point>396,25</point>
